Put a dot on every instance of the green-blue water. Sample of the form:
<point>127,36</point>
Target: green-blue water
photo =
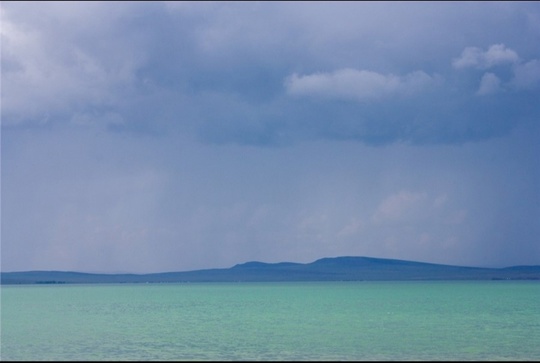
<point>496,320</point>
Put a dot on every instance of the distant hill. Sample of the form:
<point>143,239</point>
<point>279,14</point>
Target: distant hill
<point>345,268</point>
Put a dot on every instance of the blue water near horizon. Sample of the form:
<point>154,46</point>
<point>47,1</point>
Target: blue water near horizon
<point>445,320</point>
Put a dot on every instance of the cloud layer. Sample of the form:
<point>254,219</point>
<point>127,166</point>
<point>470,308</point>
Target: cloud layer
<point>174,135</point>
<point>358,85</point>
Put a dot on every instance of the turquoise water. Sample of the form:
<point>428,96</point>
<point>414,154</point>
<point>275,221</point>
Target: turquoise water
<point>496,320</point>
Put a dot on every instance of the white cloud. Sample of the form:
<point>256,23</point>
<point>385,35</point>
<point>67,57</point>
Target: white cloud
<point>499,54</point>
<point>352,228</point>
<point>440,200</point>
<point>48,71</point>
<point>350,83</point>
<point>397,205</point>
<point>490,83</point>
<point>527,76</point>
<point>477,58</point>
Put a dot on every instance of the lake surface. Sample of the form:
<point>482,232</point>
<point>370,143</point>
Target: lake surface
<point>494,320</point>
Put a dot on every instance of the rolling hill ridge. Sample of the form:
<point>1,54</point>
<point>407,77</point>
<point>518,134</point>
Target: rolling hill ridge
<point>346,268</point>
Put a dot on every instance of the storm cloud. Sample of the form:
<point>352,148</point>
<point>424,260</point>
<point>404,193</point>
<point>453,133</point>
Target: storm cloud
<point>170,136</point>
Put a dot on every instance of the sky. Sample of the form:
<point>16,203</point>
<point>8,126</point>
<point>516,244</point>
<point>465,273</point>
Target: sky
<point>174,136</point>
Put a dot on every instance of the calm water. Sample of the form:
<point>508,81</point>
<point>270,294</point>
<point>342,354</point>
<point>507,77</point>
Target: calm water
<point>497,320</point>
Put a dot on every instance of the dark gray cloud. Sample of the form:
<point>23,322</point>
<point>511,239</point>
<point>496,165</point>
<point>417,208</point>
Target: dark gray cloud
<point>175,135</point>
<point>161,67</point>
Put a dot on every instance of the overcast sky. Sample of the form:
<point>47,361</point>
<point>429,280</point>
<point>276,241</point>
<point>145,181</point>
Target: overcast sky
<point>149,137</point>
